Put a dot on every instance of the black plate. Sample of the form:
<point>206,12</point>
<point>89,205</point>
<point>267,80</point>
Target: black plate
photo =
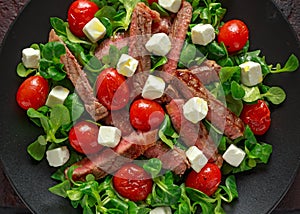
<point>259,190</point>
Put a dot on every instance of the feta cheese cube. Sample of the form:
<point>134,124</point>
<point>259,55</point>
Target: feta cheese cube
<point>251,73</point>
<point>94,30</point>
<point>127,65</point>
<point>57,95</point>
<point>159,44</point>
<point>195,109</point>
<point>203,34</point>
<point>109,136</point>
<point>58,157</point>
<point>234,155</point>
<point>170,5</point>
<point>161,210</point>
<point>196,158</point>
<point>154,88</point>
<point>31,57</point>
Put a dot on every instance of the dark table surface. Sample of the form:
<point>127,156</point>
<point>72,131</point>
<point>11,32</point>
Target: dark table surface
<point>11,203</point>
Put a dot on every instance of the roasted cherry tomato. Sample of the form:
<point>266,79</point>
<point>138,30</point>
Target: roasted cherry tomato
<point>132,182</point>
<point>146,115</point>
<point>234,34</point>
<point>207,180</point>
<point>83,137</point>
<point>257,116</point>
<point>152,1</point>
<point>112,90</point>
<point>33,92</point>
<point>79,14</point>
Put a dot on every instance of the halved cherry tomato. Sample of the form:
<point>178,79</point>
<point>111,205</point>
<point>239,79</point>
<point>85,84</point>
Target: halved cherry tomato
<point>146,115</point>
<point>132,182</point>
<point>234,34</point>
<point>79,14</point>
<point>257,116</point>
<point>152,1</point>
<point>83,137</point>
<point>112,90</point>
<point>33,92</point>
<point>207,180</point>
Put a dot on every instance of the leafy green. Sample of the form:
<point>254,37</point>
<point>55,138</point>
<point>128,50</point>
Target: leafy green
<point>22,71</point>
<point>251,94</point>
<point>291,65</point>
<point>158,8</point>
<point>74,105</point>
<point>59,26</point>
<point>167,133</point>
<point>158,61</point>
<point>237,90</point>
<point>275,95</point>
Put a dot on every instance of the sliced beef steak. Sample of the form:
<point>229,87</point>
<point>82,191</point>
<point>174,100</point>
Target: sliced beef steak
<point>207,72</point>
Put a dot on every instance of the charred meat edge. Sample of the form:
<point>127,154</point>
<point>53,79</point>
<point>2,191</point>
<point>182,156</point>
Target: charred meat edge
<point>78,77</point>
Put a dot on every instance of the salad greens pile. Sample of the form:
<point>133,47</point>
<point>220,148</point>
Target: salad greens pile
<point>168,189</point>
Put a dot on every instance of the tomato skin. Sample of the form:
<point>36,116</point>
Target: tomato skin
<point>146,115</point>
<point>152,1</point>
<point>33,92</point>
<point>234,34</point>
<point>257,116</point>
<point>132,182</point>
<point>79,14</point>
<point>207,180</point>
<point>83,137</point>
<point>112,90</point>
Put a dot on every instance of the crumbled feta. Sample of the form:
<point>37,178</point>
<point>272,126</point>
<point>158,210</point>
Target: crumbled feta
<point>94,30</point>
<point>195,109</point>
<point>154,88</point>
<point>234,155</point>
<point>251,73</point>
<point>170,5</point>
<point>57,95</point>
<point>109,136</point>
<point>31,57</point>
<point>159,44</point>
<point>196,158</point>
<point>127,65</point>
<point>161,210</point>
<point>203,34</point>
<point>58,156</point>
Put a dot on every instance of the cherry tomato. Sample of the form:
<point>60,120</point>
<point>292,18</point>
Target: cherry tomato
<point>83,137</point>
<point>207,180</point>
<point>33,92</point>
<point>234,34</point>
<point>146,115</point>
<point>257,116</point>
<point>112,90</point>
<point>152,1</point>
<point>132,182</point>
<point>79,14</point>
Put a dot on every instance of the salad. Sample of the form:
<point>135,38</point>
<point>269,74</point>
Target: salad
<point>148,106</point>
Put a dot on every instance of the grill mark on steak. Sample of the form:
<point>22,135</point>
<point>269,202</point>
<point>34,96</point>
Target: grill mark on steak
<point>177,35</point>
<point>78,77</point>
<point>109,160</point>
<point>218,114</point>
<point>207,72</point>
<point>190,133</point>
<point>172,159</point>
<point>140,33</point>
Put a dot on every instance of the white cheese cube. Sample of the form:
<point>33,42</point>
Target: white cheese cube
<point>57,95</point>
<point>109,136</point>
<point>161,210</point>
<point>127,65</point>
<point>203,34</point>
<point>58,157</point>
<point>196,158</point>
<point>234,155</point>
<point>94,30</point>
<point>159,44</point>
<point>154,88</point>
<point>170,5</point>
<point>31,57</point>
<point>251,73</point>
<point>195,109</point>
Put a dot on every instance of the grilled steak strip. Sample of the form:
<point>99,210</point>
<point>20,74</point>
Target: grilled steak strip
<point>172,159</point>
<point>109,160</point>
<point>140,33</point>
<point>177,35</point>
<point>207,72</point>
<point>220,116</point>
<point>80,82</point>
